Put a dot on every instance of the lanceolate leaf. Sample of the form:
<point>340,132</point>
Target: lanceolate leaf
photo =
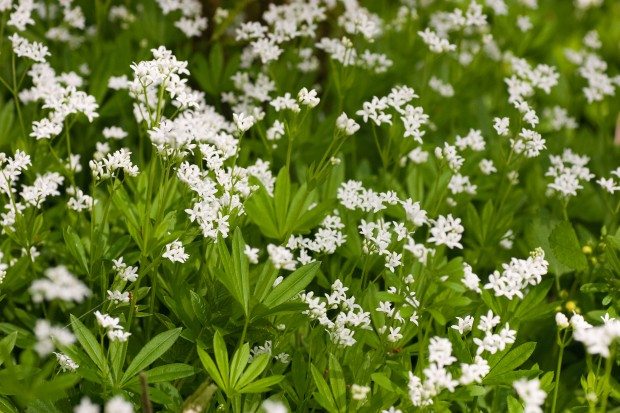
<point>211,368</point>
<point>90,344</point>
<point>261,385</point>
<point>292,284</point>
<point>236,277</point>
<point>153,350</point>
<point>510,361</point>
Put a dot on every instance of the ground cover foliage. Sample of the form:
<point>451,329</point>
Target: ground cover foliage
<point>326,205</point>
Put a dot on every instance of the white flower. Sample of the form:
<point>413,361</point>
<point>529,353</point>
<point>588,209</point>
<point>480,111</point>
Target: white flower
<point>464,324</point>
<point>488,321</point>
<point>414,212</point>
<point>435,43</point>
<point>608,185</point>
<point>114,132</point>
<point>59,284</point>
<point>529,143</point>
<point>23,48</point>
<point>118,404</point>
<point>518,275</point>
<point>394,334</point>
<point>175,252</point>
<point>118,335</point>
<point>447,231</point>
<point>49,336</point>
<point>308,98</point>
<point>285,102</point>
<point>276,131</point>
<point>524,23</point>
<point>440,351</point>
<point>474,373</point>
<point>86,406</point>
<point>561,320</point>
<point>243,121</point>
<point>112,163</point>
<point>251,254</point>
<point>599,339</point>
<point>125,272</point>
<point>487,167</point>
<point>118,297</point>
<point>274,406</point>
<point>281,257</point>
<point>106,321</point>
<point>359,392</point>
<point>532,395</point>
<point>65,362</point>
<point>346,124</point>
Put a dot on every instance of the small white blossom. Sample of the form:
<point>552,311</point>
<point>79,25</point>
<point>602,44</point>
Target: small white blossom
<point>175,252</point>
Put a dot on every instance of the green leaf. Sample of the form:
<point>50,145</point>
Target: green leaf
<point>168,372</point>
<point>118,350</point>
<point>211,368</point>
<point>236,270</point>
<point>281,198</point>
<point>6,406</point>
<point>239,362</point>
<point>292,285</point>
<point>242,270</point>
<point>324,395</point>
<point>90,344</point>
<point>221,358</point>
<point>509,362</point>
<point>295,209</point>
<point>260,210</point>
<point>537,232</point>
<point>566,247</point>
<point>383,381</point>
<point>6,122</point>
<point>337,382</point>
<point>56,387</point>
<point>261,385</point>
<point>6,346</point>
<point>255,368</point>
<point>264,284</point>
<point>153,350</point>
<point>514,406</point>
<point>76,248</point>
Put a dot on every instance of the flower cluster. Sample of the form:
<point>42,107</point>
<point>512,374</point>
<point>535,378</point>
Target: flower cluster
<point>350,314</point>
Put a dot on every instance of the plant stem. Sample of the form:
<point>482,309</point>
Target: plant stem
<point>16,99</point>
<point>558,371</point>
<point>606,385</point>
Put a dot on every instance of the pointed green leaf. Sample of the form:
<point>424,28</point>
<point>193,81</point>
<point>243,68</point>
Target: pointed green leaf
<point>337,382</point>
<point>239,362</point>
<point>254,369</point>
<point>76,248</point>
<point>236,277</point>
<point>566,248</point>
<point>510,361</point>
<point>326,398</point>
<point>168,372</point>
<point>153,350</point>
<point>261,385</point>
<point>211,368</point>
<point>281,196</point>
<point>89,343</point>
<point>292,285</point>
<point>221,358</point>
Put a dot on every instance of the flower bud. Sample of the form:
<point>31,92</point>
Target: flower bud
<point>561,320</point>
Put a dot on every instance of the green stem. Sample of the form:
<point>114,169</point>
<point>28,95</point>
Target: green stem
<point>558,371</point>
<point>609,362</point>
<point>16,98</point>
